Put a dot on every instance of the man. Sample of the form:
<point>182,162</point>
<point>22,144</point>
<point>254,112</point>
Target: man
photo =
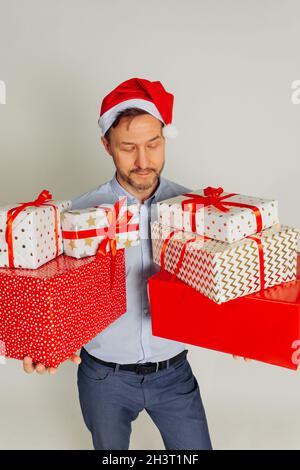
<point>126,369</point>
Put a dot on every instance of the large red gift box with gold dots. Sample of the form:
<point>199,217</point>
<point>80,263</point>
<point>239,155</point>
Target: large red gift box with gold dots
<point>50,312</point>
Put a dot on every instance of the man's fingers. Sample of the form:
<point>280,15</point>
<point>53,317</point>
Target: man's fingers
<point>27,365</point>
<point>76,359</point>
<point>40,368</point>
<point>246,359</point>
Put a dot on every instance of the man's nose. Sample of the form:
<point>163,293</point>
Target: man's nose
<point>141,158</point>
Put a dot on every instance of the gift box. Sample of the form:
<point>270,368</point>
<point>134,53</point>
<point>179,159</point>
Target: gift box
<point>264,326</point>
<point>84,229</point>
<point>50,312</point>
<point>30,233</point>
<point>224,271</point>
<point>223,216</point>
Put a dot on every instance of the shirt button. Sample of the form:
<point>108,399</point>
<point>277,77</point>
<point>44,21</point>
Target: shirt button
<point>145,311</point>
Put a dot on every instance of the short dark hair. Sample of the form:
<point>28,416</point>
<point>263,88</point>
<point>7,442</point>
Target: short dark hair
<point>128,112</point>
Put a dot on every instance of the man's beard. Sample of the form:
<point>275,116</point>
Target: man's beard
<point>151,183</point>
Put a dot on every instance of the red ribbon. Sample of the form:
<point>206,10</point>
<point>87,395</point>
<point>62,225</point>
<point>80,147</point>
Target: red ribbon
<point>182,253</point>
<point>261,260</point>
<point>180,261</point>
<point>116,225</point>
<point>212,197</point>
<point>41,200</point>
<point>96,232</point>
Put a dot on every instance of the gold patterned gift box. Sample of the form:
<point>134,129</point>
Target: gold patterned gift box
<point>220,215</point>
<point>224,271</point>
<point>84,229</point>
<point>30,233</point>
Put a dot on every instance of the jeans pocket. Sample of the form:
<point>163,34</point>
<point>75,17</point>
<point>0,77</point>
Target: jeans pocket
<point>180,365</point>
<point>94,371</point>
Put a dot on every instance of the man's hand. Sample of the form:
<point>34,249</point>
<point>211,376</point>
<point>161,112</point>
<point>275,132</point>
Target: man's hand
<point>238,357</point>
<point>29,367</point>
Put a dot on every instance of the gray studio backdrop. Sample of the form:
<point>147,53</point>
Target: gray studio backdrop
<point>233,67</point>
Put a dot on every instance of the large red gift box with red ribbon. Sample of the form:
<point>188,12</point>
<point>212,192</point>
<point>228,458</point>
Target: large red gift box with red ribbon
<point>50,312</point>
<point>264,326</point>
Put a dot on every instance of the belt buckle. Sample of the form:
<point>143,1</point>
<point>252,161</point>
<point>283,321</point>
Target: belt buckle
<point>142,368</point>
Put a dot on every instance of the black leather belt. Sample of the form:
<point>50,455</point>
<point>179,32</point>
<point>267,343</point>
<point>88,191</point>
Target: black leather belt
<point>145,367</point>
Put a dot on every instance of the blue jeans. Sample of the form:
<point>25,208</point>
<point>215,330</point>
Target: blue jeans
<point>111,399</point>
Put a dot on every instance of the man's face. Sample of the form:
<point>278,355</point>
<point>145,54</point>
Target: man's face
<point>138,150</point>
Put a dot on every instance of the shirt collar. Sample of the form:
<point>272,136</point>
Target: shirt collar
<point>120,191</point>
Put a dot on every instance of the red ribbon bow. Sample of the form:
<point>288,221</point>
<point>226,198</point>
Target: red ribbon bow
<point>116,225</point>
<point>41,200</point>
<point>120,226</point>
<point>212,197</point>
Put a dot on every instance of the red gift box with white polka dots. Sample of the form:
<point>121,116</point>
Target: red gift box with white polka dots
<point>50,312</point>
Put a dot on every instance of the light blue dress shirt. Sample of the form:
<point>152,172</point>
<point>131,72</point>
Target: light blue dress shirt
<point>129,339</point>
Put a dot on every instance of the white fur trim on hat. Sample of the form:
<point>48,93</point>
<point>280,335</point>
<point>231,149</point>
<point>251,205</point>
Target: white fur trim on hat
<point>107,118</point>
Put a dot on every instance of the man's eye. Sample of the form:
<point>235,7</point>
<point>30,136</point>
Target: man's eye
<point>130,149</point>
<point>153,146</point>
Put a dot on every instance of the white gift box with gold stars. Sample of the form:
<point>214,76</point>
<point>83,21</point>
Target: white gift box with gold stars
<point>84,229</point>
<point>36,237</point>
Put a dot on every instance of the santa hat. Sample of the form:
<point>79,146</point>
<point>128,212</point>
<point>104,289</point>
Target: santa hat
<point>143,94</point>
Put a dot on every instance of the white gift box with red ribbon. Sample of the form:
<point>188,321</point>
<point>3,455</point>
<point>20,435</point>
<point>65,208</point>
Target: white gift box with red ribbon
<point>84,229</point>
<point>217,214</point>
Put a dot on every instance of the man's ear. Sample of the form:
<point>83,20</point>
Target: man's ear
<point>106,144</point>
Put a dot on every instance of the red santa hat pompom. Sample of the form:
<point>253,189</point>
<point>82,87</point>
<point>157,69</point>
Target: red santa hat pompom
<point>143,94</point>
